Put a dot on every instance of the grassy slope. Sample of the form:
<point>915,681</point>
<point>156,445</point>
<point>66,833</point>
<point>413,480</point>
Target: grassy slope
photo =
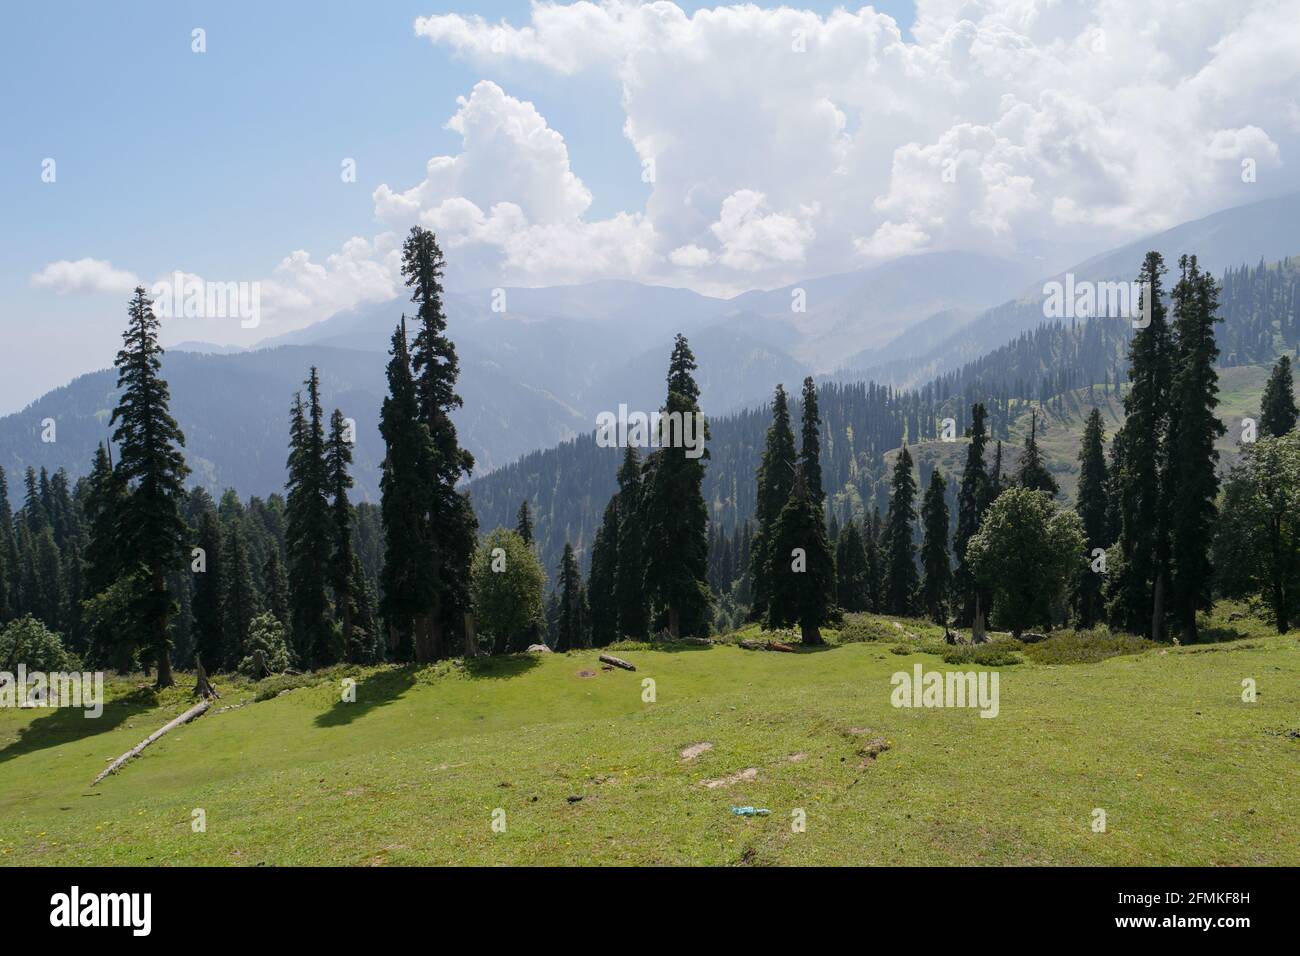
<point>412,772</point>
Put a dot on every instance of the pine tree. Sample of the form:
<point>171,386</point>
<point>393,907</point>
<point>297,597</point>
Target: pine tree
<point>801,568</point>
<point>1278,409</point>
<point>208,606</point>
<point>8,553</point>
<point>570,636</point>
<point>604,577</point>
<point>629,584</point>
<point>810,445</point>
<point>675,517</point>
<point>241,604</point>
<point>452,526</point>
<point>851,573</point>
<point>1138,586</point>
<point>775,479</point>
<point>151,465</point>
<point>308,537</point>
<point>875,564</point>
<point>338,458</point>
<point>1032,473</point>
<point>934,550</point>
<point>1192,480</point>
<point>406,586</point>
<point>900,554</point>
<point>524,523</point>
<point>276,588</point>
<point>1091,507</point>
<point>972,498</point>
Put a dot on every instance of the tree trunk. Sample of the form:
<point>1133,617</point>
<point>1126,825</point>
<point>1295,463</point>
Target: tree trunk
<point>1158,609</point>
<point>196,711</point>
<point>810,633</point>
<point>421,632</point>
<point>674,622</point>
<point>471,638</point>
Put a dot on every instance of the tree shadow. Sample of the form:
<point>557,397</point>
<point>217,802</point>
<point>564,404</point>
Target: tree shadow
<point>378,690</point>
<point>501,666</point>
<point>62,725</point>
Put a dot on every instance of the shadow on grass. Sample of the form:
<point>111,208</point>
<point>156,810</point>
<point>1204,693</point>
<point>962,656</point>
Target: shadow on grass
<point>377,690</point>
<point>500,667</point>
<point>63,725</point>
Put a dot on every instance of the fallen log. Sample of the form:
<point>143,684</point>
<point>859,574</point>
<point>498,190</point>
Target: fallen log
<point>617,662</point>
<point>198,710</point>
<point>778,646</point>
<point>753,645</point>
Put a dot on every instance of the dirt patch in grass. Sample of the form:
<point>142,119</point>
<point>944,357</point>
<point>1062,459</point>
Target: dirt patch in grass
<point>749,773</point>
<point>694,750</point>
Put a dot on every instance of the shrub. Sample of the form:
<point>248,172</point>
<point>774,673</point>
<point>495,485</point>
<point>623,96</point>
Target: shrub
<point>859,629</point>
<point>1085,647</point>
<point>999,653</point>
<point>29,642</point>
<point>265,634</point>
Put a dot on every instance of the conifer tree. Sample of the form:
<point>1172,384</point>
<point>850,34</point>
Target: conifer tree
<point>208,606</point>
<point>1138,585</point>
<point>1032,473</point>
<point>276,588</point>
<point>308,537</point>
<point>973,497</point>
<point>851,573</point>
<point>935,562</point>
<point>151,533</point>
<point>802,568</point>
<point>629,584</point>
<point>406,586</point>
<point>338,458</point>
<point>775,479</point>
<point>899,551</point>
<point>676,519</point>
<point>452,526</point>
<point>524,523</point>
<point>8,551</point>
<point>569,633</point>
<point>241,604</point>
<point>875,564</point>
<point>604,577</point>
<point>1192,480</point>
<point>1278,409</point>
<point>810,444</point>
<point>1091,507</point>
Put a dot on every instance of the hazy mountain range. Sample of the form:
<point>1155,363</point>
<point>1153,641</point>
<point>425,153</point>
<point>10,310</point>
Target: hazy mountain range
<point>539,372</point>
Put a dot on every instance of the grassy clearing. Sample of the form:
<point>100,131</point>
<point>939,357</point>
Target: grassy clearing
<point>412,772</point>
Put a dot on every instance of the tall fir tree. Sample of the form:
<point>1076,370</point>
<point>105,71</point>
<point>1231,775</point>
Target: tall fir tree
<point>901,580</point>
<point>241,602</point>
<point>406,587</point>
<point>151,465</point>
<point>1192,479</point>
<point>801,568</point>
<point>810,456</point>
<point>973,497</point>
<point>1138,587</point>
<point>307,528</point>
<point>569,635</point>
<point>851,573</point>
<point>604,578</point>
<point>935,562</point>
<point>675,516</point>
<point>1032,472</point>
<point>1278,409</point>
<point>1091,505</point>
<point>452,526</point>
<point>276,587</point>
<point>208,605</point>
<point>775,479</point>
<point>629,584</point>
<point>524,523</point>
<point>875,564</point>
<point>338,459</point>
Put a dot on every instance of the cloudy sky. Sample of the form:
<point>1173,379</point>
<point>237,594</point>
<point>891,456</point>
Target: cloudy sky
<point>720,148</point>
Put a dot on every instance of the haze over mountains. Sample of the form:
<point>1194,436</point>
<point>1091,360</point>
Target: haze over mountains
<point>539,372</point>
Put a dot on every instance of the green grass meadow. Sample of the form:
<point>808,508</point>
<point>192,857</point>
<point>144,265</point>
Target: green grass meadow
<point>412,772</point>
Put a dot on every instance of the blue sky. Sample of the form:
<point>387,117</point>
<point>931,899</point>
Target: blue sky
<point>221,163</point>
<point>771,167</point>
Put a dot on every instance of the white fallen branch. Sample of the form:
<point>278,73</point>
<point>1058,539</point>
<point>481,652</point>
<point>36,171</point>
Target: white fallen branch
<point>198,710</point>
